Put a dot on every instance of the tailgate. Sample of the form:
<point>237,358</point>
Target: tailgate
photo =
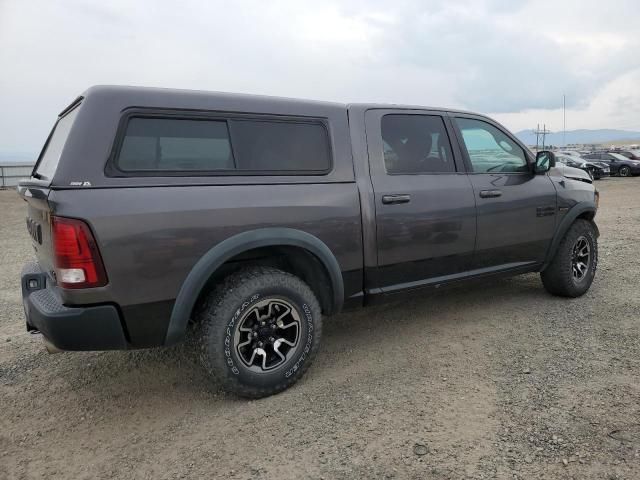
<point>38,221</point>
<point>35,191</point>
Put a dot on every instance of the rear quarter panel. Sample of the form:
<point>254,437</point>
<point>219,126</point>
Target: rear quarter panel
<point>150,238</point>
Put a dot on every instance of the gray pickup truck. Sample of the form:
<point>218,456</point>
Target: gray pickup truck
<point>247,218</point>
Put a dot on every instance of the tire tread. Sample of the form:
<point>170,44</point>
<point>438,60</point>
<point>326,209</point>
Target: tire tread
<point>557,277</point>
<point>212,321</point>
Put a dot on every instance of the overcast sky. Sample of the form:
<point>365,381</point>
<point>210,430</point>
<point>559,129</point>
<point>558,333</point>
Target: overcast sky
<point>511,59</point>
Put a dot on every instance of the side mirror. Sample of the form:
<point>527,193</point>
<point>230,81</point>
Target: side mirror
<point>544,161</point>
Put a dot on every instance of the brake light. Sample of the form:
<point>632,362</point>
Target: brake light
<point>77,259</point>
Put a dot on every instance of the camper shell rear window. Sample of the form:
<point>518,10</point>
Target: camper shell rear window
<point>49,159</point>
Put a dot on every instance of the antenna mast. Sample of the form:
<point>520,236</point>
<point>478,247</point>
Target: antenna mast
<point>564,121</point>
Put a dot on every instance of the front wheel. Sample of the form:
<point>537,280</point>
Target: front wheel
<point>624,172</point>
<point>259,331</point>
<point>573,267</point>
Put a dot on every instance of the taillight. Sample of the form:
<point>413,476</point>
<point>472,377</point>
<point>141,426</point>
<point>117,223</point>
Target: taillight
<point>77,259</point>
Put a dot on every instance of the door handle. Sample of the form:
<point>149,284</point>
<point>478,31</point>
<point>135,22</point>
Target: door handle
<point>396,198</point>
<point>490,193</point>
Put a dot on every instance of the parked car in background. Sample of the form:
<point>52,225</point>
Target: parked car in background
<point>619,164</point>
<point>569,153</point>
<point>595,170</point>
<point>631,154</point>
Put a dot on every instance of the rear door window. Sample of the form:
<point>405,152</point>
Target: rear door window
<point>416,144</point>
<point>50,156</point>
<point>223,145</point>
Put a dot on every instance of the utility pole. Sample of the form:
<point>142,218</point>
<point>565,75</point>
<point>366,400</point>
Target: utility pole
<point>542,133</point>
<point>564,121</point>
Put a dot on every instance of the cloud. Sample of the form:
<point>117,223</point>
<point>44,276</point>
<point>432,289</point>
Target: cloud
<point>616,105</point>
<point>501,61</point>
<point>500,56</point>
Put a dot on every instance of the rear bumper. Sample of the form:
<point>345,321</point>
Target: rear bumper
<point>68,328</point>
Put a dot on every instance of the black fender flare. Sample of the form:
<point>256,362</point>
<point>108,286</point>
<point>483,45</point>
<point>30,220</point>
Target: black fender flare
<point>570,217</point>
<point>242,242</point>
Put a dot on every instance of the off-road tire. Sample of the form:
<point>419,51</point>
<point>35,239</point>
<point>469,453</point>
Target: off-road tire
<point>558,277</point>
<point>224,309</point>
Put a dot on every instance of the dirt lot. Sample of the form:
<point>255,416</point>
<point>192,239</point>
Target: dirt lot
<point>492,380</point>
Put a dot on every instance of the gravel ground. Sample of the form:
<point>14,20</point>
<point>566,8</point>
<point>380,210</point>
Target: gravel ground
<point>496,379</point>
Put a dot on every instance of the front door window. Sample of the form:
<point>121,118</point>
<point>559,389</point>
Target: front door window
<point>489,149</point>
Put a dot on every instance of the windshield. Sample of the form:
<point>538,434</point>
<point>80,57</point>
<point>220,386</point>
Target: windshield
<point>571,161</point>
<point>50,157</point>
<point>618,156</point>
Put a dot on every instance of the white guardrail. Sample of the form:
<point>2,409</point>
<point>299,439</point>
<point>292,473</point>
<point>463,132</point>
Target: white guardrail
<point>10,175</point>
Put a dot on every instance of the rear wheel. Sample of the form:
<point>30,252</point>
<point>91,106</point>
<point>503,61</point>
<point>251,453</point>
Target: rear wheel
<point>573,267</point>
<point>259,331</point>
<point>624,171</point>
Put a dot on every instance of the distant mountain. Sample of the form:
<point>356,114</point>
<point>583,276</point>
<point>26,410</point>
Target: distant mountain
<point>580,136</point>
